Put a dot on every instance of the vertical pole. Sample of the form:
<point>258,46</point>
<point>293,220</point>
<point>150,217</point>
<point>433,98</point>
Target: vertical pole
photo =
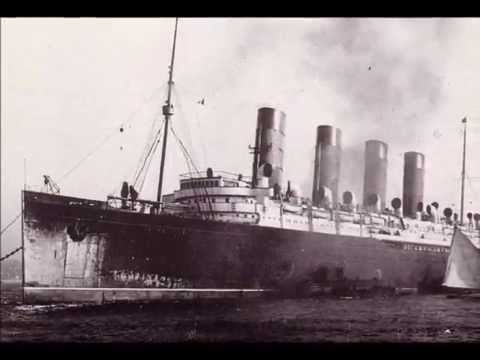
<point>310,216</point>
<point>361,225</point>
<point>256,152</point>
<point>22,218</point>
<point>464,121</point>
<point>315,200</point>
<point>281,211</point>
<point>167,113</point>
<point>23,249</point>
<point>24,173</point>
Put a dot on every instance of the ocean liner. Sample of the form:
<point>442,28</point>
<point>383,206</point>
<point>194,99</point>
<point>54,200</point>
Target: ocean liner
<point>226,232</point>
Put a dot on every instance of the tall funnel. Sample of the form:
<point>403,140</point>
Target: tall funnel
<point>375,178</point>
<point>269,144</point>
<point>327,163</point>
<point>413,178</point>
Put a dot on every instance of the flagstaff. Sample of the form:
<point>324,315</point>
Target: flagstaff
<point>462,199</point>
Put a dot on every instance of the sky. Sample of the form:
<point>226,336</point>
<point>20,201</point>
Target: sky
<point>69,85</point>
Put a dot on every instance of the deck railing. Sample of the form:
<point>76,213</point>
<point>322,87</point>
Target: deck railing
<point>224,174</point>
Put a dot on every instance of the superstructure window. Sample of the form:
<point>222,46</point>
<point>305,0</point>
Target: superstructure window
<point>227,199</point>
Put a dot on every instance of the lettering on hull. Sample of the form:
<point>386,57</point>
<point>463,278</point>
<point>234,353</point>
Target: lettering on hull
<point>148,280</point>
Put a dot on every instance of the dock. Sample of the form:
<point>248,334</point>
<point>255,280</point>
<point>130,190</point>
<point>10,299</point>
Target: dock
<point>113,295</point>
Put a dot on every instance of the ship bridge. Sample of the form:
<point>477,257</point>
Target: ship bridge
<point>221,196</point>
<point>219,186</point>
<point>203,179</point>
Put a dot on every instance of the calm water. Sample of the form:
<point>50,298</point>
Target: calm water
<point>413,318</point>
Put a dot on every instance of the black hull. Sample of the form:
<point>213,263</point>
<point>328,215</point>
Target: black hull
<point>77,243</point>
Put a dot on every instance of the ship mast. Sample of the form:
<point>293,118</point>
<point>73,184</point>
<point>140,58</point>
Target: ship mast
<point>167,112</point>
<point>464,121</point>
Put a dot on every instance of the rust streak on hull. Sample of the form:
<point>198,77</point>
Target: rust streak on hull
<point>73,245</point>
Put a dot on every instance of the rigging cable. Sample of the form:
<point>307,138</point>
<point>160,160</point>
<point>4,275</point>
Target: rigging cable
<point>11,223</point>
<point>142,182</point>
<point>186,154</point>
<point>150,148</point>
<point>105,140</point>
<point>199,208</point>
<point>156,143</point>
<point>189,158</point>
<point>108,137</point>
<point>5,229</point>
<point>129,120</point>
<point>471,186</point>
<point>148,154</point>
<point>182,117</point>
<point>11,253</point>
<point>151,137</point>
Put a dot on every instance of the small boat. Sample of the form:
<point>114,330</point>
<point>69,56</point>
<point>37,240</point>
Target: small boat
<point>462,275</point>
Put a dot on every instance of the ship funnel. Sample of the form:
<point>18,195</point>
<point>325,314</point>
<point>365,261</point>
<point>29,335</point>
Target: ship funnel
<point>327,163</point>
<point>269,146</point>
<point>413,181</point>
<point>375,178</point>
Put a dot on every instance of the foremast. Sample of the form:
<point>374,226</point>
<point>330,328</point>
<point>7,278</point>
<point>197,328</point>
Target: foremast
<point>167,113</point>
<point>462,196</point>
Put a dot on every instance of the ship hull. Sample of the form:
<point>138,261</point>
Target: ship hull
<point>72,244</point>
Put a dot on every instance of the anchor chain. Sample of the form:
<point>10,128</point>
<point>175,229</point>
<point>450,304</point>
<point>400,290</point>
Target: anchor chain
<point>11,253</point>
<point>5,229</point>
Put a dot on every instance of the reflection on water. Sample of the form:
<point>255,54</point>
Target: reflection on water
<point>413,318</point>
